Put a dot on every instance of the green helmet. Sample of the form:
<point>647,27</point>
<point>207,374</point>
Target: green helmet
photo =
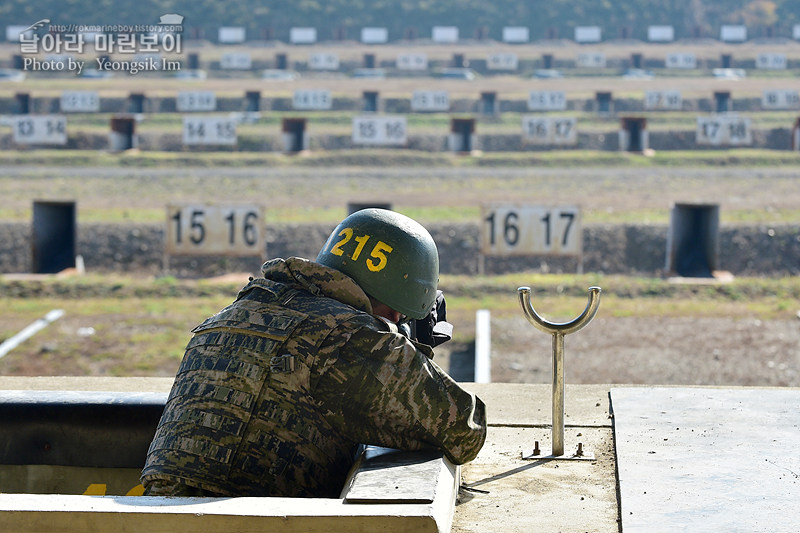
<point>392,257</point>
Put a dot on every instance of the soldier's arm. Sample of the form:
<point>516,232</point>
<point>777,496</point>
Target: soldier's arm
<point>381,389</point>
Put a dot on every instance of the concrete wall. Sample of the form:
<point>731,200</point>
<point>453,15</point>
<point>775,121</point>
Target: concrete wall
<point>772,139</point>
<point>167,104</point>
<point>685,139</point>
<point>758,250</point>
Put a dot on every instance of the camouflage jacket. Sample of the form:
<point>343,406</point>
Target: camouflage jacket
<point>276,390</point>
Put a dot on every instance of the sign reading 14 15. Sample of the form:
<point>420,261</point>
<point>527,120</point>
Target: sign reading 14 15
<point>531,230</point>
<point>214,230</point>
<point>212,130</point>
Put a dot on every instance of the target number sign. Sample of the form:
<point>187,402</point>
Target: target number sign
<point>196,101</point>
<point>40,129</point>
<point>724,130</point>
<point>209,131</point>
<point>550,130</point>
<point>531,230</point>
<point>381,130</point>
<point>203,229</point>
<point>80,102</point>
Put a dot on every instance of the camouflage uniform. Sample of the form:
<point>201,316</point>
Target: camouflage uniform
<point>276,390</point>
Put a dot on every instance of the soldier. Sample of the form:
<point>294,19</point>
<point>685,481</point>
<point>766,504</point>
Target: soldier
<point>277,390</point>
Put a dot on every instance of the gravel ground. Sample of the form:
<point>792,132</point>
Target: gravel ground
<point>673,351</point>
<point>718,351</point>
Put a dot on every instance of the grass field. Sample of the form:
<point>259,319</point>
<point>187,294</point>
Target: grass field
<point>125,326</point>
<point>751,186</point>
<point>647,330</point>
<point>341,122</point>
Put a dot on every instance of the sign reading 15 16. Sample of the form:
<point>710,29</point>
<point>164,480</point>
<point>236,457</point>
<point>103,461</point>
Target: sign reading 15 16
<point>531,230</point>
<point>389,130</point>
<point>214,230</point>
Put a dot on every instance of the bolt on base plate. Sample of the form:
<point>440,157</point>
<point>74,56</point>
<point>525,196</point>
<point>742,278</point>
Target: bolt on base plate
<point>536,455</point>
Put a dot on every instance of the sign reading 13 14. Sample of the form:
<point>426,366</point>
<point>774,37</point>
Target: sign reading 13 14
<point>214,230</point>
<point>40,129</point>
<point>531,230</point>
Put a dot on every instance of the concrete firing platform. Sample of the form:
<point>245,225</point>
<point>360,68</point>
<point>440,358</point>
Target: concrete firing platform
<point>698,459</point>
<point>94,433</point>
<point>502,492</point>
<point>520,496</point>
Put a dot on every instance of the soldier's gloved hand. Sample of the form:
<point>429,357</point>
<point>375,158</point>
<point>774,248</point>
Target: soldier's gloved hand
<point>434,329</point>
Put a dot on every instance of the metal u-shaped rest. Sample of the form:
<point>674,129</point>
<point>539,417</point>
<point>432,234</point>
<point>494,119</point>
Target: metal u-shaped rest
<point>558,330</point>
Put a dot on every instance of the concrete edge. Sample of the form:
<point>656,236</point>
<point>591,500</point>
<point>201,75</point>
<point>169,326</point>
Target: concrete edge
<point>56,513</point>
<point>34,513</point>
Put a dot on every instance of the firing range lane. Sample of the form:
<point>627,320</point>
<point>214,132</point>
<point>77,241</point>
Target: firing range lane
<point>614,190</point>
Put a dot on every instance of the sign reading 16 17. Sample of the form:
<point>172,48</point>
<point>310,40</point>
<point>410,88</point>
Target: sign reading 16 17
<point>531,230</point>
<point>214,230</point>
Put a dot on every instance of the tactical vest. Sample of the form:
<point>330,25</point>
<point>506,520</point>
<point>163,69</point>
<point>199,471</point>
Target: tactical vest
<point>240,419</point>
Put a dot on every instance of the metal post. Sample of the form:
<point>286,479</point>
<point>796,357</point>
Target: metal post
<point>558,394</point>
<point>483,346</point>
<point>558,330</point>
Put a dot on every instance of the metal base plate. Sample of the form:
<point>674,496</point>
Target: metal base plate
<point>528,455</point>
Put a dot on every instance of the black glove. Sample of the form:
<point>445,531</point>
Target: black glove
<point>434,329</point>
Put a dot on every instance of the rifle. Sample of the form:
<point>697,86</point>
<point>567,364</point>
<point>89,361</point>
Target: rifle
<point>433,329</point>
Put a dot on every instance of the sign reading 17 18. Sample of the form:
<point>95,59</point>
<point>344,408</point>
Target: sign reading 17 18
<point>214,230</point>
<point>531,230</point>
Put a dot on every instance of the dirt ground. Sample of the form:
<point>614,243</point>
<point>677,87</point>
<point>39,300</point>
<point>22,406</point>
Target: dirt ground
<point>719,351</point>
<point>667,351</point>
<point>684,350</point>
<point>640,192</point>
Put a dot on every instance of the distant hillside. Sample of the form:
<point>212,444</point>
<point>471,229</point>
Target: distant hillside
<point>629,18</point>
